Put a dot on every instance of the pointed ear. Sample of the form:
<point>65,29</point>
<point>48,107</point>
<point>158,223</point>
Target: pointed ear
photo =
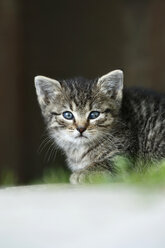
<point>46,89</point>
<point>112,84</point>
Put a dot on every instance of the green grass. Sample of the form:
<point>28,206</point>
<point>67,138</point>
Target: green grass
<point>55,176</point>
<point>8,178</point>
<point>145,175</point>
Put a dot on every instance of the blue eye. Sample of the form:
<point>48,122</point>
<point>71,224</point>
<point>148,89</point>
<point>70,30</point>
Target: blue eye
<point>94,114</point>
<point>68,115</point>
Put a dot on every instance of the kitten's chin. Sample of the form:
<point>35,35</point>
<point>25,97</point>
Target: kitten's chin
<point>81,139</point>
<point>77,140</point>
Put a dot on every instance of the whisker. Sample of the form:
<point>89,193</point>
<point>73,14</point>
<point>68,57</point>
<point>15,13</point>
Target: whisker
<point>48,152</point>
<point>43,144</point>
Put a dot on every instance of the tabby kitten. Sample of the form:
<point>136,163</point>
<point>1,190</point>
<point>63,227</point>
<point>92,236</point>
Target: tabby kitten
<point>93,121</point>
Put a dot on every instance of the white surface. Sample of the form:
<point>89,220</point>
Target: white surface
<point>75,217</point>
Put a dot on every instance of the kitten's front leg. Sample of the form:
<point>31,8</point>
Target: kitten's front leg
<point>92,174</point>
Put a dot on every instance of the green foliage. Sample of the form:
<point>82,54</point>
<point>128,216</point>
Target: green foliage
<point>152,175</point>
<point>146,175</point>
<point>55,176</point>
<point>8,178</point>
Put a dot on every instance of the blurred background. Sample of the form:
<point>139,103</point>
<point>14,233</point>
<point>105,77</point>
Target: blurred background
<point>62,39</point>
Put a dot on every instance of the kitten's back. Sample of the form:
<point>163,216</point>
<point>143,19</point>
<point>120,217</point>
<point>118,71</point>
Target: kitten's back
<point>144,112</point>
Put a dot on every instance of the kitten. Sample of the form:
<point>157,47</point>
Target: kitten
<point>93,121</point>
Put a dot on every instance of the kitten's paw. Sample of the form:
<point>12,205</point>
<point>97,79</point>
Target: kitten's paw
<point>85,176</point>
<point>78,178</point>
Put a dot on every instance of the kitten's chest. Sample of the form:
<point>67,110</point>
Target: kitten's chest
<point>77,158</point>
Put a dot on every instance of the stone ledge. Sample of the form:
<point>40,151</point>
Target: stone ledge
<point>64,216</point>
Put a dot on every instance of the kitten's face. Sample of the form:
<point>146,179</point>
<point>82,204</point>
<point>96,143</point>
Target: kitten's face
<point>80,111</point>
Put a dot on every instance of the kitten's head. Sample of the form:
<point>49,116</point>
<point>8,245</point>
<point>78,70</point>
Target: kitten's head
<point>80,111</point>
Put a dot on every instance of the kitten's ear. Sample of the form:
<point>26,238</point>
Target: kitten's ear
<point>46,89</point>
<point>112,84</point>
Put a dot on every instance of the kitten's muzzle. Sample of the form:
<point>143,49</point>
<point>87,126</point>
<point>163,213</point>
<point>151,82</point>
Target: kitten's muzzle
<point>81,129</point>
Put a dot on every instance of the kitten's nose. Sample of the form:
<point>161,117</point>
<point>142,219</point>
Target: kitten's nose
<point>81,129</point>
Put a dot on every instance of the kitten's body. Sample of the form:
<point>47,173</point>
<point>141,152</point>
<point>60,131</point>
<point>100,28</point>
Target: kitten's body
<point>144,113</point>
<point>130,122</point>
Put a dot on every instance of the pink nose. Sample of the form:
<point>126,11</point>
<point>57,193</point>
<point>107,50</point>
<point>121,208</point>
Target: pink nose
<point>81,129</point>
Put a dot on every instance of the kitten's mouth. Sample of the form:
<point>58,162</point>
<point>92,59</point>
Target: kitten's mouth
<point>81,136</point>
